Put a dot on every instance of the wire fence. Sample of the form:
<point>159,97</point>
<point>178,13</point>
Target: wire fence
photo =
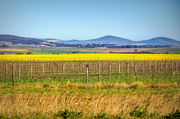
<point>161,71</point>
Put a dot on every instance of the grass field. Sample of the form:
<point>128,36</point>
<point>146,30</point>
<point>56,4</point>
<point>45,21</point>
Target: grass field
<point>40,100</point>
<point>62,50</point>
<point>56,50</point>
<point>119,86</point>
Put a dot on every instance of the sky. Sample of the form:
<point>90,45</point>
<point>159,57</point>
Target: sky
<point>88,19</point>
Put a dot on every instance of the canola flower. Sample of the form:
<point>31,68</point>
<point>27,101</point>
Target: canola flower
<point>89,57</point>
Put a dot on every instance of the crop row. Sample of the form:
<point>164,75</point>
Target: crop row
<point>89,57</point>
<point>92,71</point>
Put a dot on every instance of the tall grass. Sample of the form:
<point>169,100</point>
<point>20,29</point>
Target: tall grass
<point>60,89</point>
<point>48,105</point>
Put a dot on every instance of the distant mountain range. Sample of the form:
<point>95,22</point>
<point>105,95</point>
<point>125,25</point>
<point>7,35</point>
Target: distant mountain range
<point>111,40</point>
<point>102,40</point>
<point>123,41</point>
<point>16,39</point>
<point>160,41</point>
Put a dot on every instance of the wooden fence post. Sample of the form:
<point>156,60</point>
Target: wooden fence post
<point>127,69</point>
<point>119,69</point>
<point>152,76</point>
<point>53,67</point>
<point>103,70</point>
<point>95,68</point>
<point>63,68</point>
<point>34,66</point>
<point>80,66</point>
<point>149,68</point>
<point>6,70</point>
<point>58,67</point>
<point>166,66</point>
<point>43,68</point>
<point>19,77</point>
<point>87,72</point>
<point>25,68</point>
<point>142,70</point>
<point>73,72</point>
<point>161,66</point>
<point>13,76</point>
<point>135,69</point>
<point>31,70</point>
<point>49,68</point>
<point>110,72</point>
<point>83,64</point>
<point>99,65</point>
<point>155,65</point>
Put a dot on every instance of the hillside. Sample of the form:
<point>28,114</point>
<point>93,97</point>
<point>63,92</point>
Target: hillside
<point>110,40</point>
<point>160,41</point>
<point>122,41</point>
<point>102,40</point>
<point>74,42</point>
<point>22,40</point>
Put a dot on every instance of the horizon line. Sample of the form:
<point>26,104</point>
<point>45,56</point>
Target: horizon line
<point>90,39</point>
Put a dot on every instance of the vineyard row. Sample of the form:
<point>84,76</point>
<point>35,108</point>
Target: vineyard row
<point>92,71</point>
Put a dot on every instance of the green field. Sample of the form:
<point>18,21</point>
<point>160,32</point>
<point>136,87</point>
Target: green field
<point>62,50</point>
<point>56,50</point>
<point>93,50</point>
<point>60,90</point>
<point>172,50</point>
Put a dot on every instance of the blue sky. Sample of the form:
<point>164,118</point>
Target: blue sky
<point>87,19</point>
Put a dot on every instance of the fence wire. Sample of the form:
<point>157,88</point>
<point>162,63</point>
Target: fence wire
<point>160,71</point>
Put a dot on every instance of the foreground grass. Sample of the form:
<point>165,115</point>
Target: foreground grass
<point>135,100</point>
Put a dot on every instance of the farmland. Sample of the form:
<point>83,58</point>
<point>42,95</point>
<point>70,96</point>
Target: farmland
<point>90,86</point>
<point>67,50</point>
<point>88,57</point>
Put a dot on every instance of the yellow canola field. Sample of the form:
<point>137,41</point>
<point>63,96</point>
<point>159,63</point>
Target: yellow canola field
<point>80,57</point>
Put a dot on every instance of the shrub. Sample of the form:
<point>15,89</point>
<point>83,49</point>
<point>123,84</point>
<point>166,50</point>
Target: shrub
<point>173,115</point>
<point>138,112</point>
<point>68,114</point>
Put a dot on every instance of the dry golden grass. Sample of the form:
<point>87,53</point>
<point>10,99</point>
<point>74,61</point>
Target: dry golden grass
<point>13,49</point>
<point>78,98</point>
<point>89,104</point>
<point>100,85</point>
